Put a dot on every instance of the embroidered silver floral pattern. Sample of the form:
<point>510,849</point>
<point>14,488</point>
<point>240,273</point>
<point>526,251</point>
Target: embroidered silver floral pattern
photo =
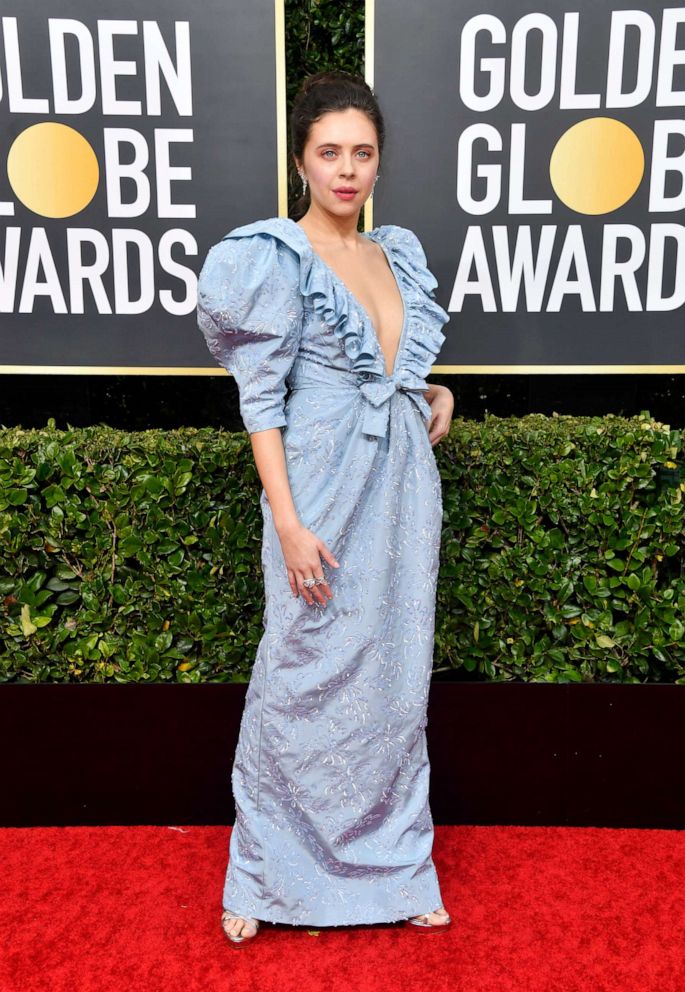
<point>331,773</point>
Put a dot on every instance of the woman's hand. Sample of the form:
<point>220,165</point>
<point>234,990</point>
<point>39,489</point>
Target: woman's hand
<point>441,400</point>
<point>302,550</point>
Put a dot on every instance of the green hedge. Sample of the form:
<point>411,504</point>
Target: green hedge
<point>136,556</point>
<point>322,35</point>
<point>562,556</point>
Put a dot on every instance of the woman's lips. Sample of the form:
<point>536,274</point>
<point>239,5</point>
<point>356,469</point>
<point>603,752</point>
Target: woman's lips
<point>345,195</point>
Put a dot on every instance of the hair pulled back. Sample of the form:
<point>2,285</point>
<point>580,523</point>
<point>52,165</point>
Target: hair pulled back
<point>319,94</point>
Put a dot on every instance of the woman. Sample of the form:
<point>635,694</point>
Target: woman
<point>331,772</point>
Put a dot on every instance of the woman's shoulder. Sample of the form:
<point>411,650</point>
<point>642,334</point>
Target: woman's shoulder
<point>401,238</point>
<point>407,250</point>
<point>250,269</point>
<point>268,233</point>
<point>255,252</point>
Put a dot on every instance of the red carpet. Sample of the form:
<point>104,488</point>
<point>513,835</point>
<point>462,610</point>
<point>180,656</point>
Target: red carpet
<point>136,909</point>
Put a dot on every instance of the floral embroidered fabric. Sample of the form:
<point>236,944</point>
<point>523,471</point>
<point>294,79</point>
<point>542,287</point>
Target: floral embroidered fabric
<point>331,772</point>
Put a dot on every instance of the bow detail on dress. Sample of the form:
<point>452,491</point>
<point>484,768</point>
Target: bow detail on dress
<point>377,393</point>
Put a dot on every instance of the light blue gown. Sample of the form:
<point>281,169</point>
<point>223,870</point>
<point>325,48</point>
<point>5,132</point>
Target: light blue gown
<point>331,772</point>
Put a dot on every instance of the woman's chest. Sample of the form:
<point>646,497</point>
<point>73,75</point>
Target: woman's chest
<point>373,291</point>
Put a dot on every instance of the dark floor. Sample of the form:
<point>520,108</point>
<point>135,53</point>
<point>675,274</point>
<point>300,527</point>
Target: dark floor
<point>145,401</point>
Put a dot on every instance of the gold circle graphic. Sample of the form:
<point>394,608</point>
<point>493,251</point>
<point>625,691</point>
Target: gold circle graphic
<point>52,169</point>
<point>597,165</point>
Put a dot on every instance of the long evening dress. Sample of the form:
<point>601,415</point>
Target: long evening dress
<point>331,772</point>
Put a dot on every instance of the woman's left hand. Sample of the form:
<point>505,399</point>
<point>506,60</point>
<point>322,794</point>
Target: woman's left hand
<point>441,402</point>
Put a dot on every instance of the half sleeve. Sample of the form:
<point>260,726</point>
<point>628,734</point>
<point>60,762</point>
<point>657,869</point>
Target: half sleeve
<point>249,309</point>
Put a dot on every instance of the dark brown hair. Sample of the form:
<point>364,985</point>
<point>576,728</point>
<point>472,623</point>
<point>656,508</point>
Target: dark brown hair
<point>319,94</point>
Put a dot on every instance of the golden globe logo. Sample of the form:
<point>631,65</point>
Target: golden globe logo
<point>595,166</point>
<point>54,172</point>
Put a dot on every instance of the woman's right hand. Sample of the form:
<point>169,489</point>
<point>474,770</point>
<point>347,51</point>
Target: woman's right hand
<point>302,551</point>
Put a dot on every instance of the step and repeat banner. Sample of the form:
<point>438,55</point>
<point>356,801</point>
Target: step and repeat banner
<point>540,156</point>
<point>134,136</point>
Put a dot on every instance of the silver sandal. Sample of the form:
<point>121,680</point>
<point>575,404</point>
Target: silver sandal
<point>238,939</point>
<point>426,927</point>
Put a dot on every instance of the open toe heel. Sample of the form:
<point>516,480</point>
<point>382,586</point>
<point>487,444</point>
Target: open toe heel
<point>420,924</point>
<point>239,940</point>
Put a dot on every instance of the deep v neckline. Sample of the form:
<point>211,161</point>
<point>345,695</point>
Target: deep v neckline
<point>369,235</point>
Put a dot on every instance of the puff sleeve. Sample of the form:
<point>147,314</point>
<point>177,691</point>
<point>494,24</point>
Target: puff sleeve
<point>250,309</point>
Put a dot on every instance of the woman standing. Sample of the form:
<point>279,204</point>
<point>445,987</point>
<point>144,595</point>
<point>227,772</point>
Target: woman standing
<point>331,773</point>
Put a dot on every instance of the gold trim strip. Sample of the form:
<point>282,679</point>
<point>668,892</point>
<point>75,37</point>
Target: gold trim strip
<point>281,110</point>
<point>435,370</point>
<point>556,369</point>
<point>369,71</point>
<point>110,370</point>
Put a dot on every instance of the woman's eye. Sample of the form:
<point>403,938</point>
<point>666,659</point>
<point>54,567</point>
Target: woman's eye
<point>368,154</point>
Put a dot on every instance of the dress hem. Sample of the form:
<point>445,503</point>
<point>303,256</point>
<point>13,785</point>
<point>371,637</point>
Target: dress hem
<point>267,918</point>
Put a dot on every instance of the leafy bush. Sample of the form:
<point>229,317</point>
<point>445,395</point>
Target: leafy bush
<point>128,556</point>
<point>137,556</point>
<point>562,552</point>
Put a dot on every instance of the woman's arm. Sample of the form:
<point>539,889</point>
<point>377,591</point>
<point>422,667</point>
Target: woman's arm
<point>441,401</point>
<point>431,392</point>
<point>250,311</point>
<point>269,456</point>
<point>302,549</point>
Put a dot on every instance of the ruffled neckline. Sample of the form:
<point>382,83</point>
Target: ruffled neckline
<point>421,337</point>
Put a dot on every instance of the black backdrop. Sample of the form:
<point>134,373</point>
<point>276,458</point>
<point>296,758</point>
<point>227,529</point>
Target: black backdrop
<point>319,36</point>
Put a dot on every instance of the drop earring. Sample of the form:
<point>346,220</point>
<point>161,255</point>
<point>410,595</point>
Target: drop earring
<point>304,183</point>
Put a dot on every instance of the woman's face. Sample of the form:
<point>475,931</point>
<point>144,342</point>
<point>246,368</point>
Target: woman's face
<point>342,150</point>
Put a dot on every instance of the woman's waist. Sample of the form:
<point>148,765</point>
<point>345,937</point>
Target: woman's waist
<point>306,372</point>
<point>376,390</point>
